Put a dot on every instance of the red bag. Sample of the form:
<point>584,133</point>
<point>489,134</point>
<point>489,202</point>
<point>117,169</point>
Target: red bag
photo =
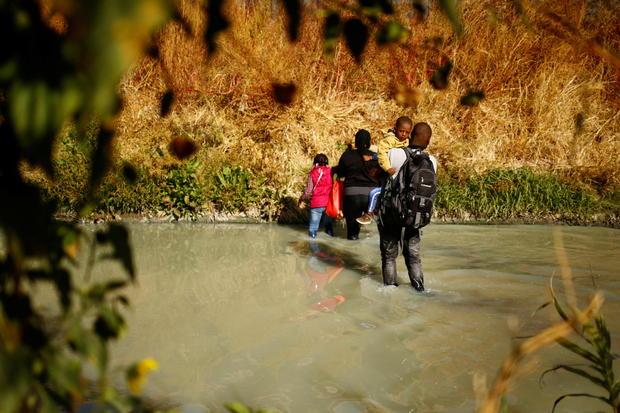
<point>334,205</point>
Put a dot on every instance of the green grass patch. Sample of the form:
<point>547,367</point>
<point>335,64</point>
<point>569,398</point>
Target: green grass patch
<point>234,188</point>
<point>508,194</point>
<point>117,195</point>
<point>184,190</point>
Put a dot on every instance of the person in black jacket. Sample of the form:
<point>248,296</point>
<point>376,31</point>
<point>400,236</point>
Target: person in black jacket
<point>360,173</point>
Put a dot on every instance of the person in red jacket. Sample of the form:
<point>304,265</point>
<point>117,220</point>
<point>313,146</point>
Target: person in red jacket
<point>317,191</point>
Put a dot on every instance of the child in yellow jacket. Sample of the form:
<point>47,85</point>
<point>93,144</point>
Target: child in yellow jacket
<point>394,138</point>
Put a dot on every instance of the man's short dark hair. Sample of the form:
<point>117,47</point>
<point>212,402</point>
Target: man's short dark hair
<point>421,134</point>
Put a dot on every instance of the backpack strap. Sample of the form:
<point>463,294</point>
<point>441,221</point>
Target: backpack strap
<point>317,181</point>
<point>403,170</point>
<point>314,185</point>
<point>319,178</point>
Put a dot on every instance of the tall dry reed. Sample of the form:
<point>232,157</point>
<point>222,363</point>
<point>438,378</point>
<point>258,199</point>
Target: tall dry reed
<point>575,320</point>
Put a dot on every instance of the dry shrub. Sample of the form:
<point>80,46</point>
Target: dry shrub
<point>551,103</point>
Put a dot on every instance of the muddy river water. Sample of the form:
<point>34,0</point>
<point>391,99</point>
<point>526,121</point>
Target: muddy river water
<point>263,315</point>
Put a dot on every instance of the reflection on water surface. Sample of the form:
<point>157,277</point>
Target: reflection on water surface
<point>263,315</point>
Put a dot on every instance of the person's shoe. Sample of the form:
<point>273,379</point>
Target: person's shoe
<point>353,237</point>
<point>365,219</point>
<point>329,231</point>
<point>312,234</point>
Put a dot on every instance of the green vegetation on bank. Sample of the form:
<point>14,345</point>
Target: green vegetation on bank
<point>192,189</point>
<point>514,194</point>
<point>182,189</point>
<point>185,190</point>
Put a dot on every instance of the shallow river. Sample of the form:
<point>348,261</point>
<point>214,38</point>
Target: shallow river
<point>263,315</point>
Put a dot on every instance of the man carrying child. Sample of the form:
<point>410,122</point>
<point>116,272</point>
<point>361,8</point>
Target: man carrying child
<point>391,230</point>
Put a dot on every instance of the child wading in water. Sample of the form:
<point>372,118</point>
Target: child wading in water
<point>317,190</point>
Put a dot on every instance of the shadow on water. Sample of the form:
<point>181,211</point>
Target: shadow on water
<point>322,270</point>
<point>327,253</point>
<point>465,299</point>
<point>339,227</point>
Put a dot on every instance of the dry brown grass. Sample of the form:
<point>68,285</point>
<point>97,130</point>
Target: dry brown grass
<point>538,80</point>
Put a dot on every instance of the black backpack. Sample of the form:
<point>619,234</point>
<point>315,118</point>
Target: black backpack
<point>407,199</point>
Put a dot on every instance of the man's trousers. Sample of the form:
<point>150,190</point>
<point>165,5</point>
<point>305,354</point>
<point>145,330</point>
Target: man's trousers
<point>390,236</point>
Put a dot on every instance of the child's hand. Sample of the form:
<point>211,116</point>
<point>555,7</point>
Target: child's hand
<point>300,203</point>
<point>391,171</point>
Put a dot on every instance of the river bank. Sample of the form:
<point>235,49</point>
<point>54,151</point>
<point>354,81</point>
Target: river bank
<point>602,220</point>
<point>193,192</point>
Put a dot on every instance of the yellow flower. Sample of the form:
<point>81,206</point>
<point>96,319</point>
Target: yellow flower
<point>136,374</point>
